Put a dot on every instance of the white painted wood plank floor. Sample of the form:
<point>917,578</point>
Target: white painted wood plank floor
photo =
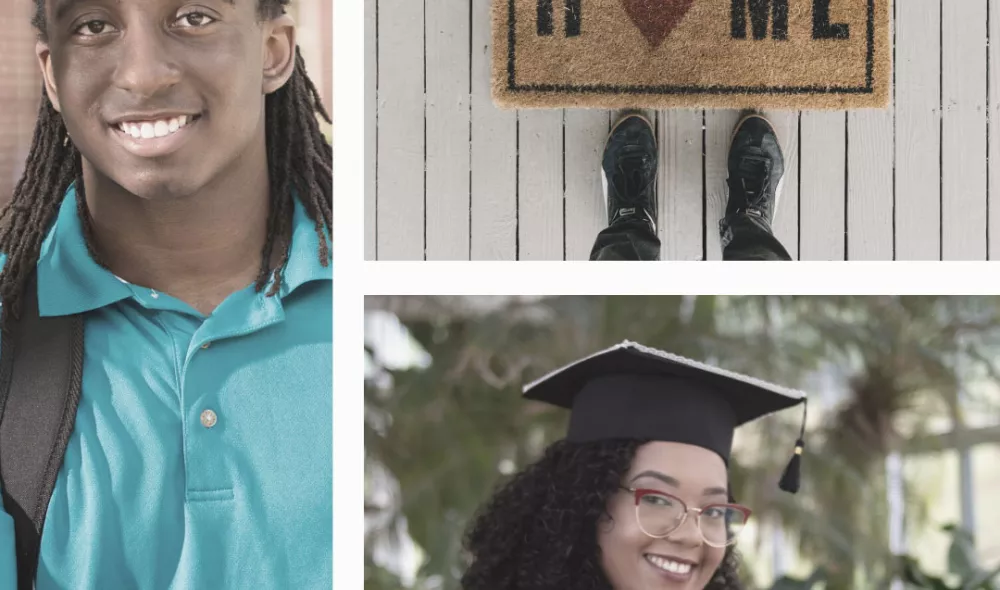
<point>450,177</point>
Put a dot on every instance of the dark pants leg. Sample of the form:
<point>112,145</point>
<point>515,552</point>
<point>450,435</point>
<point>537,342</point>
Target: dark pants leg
<point>627,240</point>
<point>745,237</point>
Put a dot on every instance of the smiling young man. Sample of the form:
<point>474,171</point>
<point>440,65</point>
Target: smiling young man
<point>177,198</point>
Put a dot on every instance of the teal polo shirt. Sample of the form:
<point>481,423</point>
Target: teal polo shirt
<point>201,455</point>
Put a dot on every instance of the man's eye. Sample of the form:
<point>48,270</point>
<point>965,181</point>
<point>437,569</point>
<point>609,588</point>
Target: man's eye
<point>93,28</point>
<point>193,20</point>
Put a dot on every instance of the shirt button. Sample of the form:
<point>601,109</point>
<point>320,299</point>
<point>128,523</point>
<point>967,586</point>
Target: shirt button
<point>208,418</point>
<point>206,345</point>
<point>154,294</point>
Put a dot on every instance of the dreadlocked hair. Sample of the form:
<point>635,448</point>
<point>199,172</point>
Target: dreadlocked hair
<point>539,530</point>
<point>300,163</point>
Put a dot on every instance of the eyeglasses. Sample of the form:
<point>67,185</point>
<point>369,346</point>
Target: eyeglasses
<point>660,514</point>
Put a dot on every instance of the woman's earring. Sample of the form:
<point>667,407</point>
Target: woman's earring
<point>66,140</point>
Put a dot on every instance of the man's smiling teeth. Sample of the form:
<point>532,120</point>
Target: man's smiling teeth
<point>670,566</point>
<point>151,129</point>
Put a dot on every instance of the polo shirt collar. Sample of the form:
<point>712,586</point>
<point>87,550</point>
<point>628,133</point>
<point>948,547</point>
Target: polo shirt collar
<point>71,282</point>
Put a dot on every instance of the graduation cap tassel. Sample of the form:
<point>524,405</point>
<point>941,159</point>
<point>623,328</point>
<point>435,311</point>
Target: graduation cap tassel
<point>791,477</point>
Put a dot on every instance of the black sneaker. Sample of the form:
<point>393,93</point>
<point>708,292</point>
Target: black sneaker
<point>756,167</point>
<point>629,171</point>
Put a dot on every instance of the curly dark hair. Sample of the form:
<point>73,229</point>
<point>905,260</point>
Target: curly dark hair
<point>539,530</point>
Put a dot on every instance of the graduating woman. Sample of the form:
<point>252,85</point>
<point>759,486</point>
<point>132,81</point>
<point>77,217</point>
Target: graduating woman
<point>636,497</point>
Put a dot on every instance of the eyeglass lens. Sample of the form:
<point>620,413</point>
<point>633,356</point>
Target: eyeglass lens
<point>660,514</point>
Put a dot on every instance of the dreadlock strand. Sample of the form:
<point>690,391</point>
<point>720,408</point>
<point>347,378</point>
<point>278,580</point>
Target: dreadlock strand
<point>313,186</point>
<point>308,181</point>
<point>40,148</point>
<point>319,155</point>
<point>282,200</point>
<point>30,172</point>
<point>41,217</point>
<point>311,92</point>
<point>277,125</point>
<point>34,203</point>
<point>284,230</point>
<point>87,220</point>
<point>279,132</point>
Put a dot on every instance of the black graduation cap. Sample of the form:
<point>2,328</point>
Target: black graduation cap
<point>633,391</point>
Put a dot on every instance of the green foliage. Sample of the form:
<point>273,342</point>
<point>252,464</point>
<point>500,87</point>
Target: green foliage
<point>815,580</point>
<point>962,564</point>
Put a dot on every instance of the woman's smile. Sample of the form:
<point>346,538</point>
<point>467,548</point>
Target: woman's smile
<point>671,568</point>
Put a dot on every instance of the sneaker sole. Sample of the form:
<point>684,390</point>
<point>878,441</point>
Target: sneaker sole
<point>604,178</point>
<point>781,183</point>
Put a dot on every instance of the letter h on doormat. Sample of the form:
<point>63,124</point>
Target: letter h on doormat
<point>546,17</point>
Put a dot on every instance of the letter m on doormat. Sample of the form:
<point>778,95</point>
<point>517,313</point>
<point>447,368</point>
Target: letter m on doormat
<point>761,11</point>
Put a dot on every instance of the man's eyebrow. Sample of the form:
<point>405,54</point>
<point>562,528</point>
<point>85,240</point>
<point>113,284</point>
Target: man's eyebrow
<point>671,481</point>
<point>59,10</point>
<point>62,7</point>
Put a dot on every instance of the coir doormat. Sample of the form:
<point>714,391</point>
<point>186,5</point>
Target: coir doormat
<point>797,54</point>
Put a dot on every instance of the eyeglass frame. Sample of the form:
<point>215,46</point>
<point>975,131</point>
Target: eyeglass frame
<point>639,493</point>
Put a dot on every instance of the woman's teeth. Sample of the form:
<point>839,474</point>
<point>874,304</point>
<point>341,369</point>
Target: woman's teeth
<point>668,565</point>
<point>151,129</point>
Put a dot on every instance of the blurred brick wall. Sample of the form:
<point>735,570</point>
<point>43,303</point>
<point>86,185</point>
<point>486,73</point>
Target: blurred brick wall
<point>20,82</point>
<point>20,85</point>
<point>315,31</point>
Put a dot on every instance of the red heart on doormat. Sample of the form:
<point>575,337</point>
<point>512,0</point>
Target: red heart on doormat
<point>656,19</point>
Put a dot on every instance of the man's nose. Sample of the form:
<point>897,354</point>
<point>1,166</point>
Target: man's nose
<point>146,67</point>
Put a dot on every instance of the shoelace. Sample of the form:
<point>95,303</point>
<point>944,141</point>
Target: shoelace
<point>632,167</point>
<point>755,177</point>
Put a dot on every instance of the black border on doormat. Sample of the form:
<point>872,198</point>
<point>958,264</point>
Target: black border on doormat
<point>609,89</point>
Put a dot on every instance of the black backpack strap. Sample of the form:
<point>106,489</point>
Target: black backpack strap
<point>41,369</point>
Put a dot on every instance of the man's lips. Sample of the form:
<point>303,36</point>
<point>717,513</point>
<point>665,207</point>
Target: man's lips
<point>152,138</point>
<point>153,128</point>
<point>138,117</point>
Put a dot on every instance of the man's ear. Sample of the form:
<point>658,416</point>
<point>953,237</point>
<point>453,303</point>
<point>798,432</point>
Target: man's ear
<point>279,52</point>
<point>45,64</point>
